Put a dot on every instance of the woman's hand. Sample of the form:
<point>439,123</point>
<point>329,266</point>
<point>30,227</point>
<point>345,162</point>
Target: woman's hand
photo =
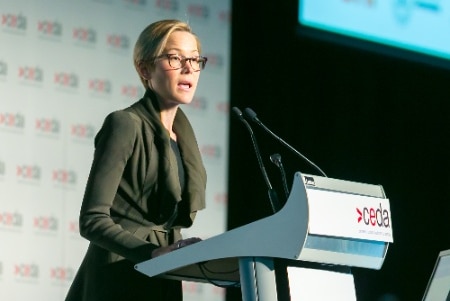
<point>177,245</point>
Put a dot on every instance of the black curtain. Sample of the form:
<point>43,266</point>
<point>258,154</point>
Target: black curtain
<point>360,116</point>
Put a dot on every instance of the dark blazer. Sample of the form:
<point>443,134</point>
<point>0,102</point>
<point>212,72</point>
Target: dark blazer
<point>133,202</point>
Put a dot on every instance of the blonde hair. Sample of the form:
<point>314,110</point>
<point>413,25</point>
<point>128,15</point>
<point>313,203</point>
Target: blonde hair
<point>152,42</point>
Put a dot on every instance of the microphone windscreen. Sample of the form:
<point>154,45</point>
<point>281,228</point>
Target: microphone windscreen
<point>237,111</point>
<point>250,114</point>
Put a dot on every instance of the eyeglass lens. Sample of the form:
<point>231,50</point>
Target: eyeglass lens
<point>176,61</point>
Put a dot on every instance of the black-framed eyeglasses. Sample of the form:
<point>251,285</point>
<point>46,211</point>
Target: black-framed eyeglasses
<point>177,61</point>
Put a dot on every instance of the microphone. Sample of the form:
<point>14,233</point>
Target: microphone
<point>252,115</point>
<point>273,198</point>
<point>276,159</point>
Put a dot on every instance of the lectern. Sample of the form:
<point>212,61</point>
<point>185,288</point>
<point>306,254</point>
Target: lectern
<point>325,223</point>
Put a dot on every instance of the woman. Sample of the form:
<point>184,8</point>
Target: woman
<point>147,179</point>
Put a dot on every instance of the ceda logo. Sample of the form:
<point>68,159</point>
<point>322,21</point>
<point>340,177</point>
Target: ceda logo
<point>82,131</point>
<point>199,104</point>
<point>131,91</point>
<point>73,227</point>
<point>28,172</point>
<point>170,5</point>
<point>211,151</point>
<point>3,68</point>
<point>66,79</point>
<point>84,35</point>
<point>64,176</point>
<point>31,74</point>
<point>117,41</point>
<point>26,271</point>
<point>2,168</point>
<point>100,86</point>
<point>11,219</point>
<point>49,28</point>
<point>136,2</point>
<point>198,11</point>
<point>374,216</point>
<point>45,223</point>
<point>45,125</point>
<point>12,120</point>
<point>62,273</point>
<point>215,61</point>
<point>15,22</point>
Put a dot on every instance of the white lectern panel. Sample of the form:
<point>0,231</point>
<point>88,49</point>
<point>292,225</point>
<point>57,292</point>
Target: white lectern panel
<point>319,285</point>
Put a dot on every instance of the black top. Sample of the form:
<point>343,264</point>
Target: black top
<point>176,151</point>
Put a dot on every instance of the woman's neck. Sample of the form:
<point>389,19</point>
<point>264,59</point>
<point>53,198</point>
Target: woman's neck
<point>167,118</point>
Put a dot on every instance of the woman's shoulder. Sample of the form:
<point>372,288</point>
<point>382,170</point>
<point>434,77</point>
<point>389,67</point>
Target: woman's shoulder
<point>122,118</point>
<point>121,123</point>
<point>128,122</point>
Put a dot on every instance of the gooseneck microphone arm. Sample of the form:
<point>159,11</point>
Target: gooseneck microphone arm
<point>252,115</point>
<point>273,198</point>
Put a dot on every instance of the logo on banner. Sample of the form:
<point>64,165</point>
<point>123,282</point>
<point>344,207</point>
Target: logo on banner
<point>132,92</point>
<point>31,74</point>
<point>45,223</point>
<point>82,131</point>
<point>62,274</point>
<point>221,198</point>
<point>116,41</point>
<point>64,177</point>
<point>85,36</point>
<point>28,172</point>
<point>223,107</point>
<point>100,86</point>
<point>210,151</point>
<point>17,23</point>
<point>74,227</point>
<point>49,29</point>
<point>171,5</point>
<point>66,80</point>
<point>215,61</point>
<point>26,271</point>
<point>198,11</point>
<point>374,216</point>
<point>3,69</point>
<point>225,17</point>
<point>11,220</point>
<point>2,168</point>
<point>103,1</point>
<point>137,3</point>
<point>12,121</point>
<point>198,104</point>
<point>47,126</point>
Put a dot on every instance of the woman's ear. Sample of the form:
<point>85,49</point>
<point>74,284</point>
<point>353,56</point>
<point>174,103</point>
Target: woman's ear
<point>144,70</point>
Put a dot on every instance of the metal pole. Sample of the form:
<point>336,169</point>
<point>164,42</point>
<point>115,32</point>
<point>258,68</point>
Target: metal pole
<point>257,275</point>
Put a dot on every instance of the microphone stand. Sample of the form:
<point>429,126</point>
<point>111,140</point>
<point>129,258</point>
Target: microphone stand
<point>252,115</point>
<point>273,197</point>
